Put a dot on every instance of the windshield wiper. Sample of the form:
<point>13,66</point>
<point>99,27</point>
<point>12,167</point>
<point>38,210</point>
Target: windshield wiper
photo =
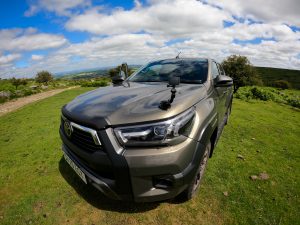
<point>149,81</point>
<point>164,81</point>
<point>191,81</point>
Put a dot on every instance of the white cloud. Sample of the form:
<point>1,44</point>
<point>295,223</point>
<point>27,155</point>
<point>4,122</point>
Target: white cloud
<point>7,59</point>
<point>60,7</point>
<point>178,18</point>
<point>109,51</point>
<point>155,30</point>
<point>277,11</point>
<point>200,23</point>
<point>37,57</point>
<point>269,53</point>
<point>244,31</point>
<point>99,52</point>
<point>28,39</point>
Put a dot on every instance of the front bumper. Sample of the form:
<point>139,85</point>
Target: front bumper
<point>102,184</point>
<point>141,175</point>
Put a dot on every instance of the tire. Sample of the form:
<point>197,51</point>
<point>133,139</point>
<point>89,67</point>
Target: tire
<point>193,187</point>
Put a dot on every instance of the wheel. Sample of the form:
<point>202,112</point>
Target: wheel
<point>193,187</point>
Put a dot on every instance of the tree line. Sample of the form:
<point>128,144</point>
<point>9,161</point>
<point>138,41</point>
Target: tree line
<point>42,77</point>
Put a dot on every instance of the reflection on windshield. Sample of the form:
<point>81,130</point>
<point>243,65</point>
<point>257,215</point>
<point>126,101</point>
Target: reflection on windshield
<point>189,71</point>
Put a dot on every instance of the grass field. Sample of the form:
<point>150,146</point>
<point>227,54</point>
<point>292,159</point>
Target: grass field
<point>38,187</point>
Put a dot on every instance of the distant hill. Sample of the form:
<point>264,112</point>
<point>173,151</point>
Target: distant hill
<point>88,74</point>
<point>269,75</point>
<point>84,74</point>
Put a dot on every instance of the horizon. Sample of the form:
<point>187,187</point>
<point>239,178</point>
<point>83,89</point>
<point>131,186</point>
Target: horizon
<point>70,72</point>
<point>63,36</point>
<point>109,67</point>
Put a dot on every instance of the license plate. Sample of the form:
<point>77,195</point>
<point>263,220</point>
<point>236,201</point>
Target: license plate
<point>75,168</point>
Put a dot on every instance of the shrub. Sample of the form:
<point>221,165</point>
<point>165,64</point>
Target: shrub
<point>283,84</point>
<point>19,93</point>
<point>294,102</point>
<point>18,82</point>
<point>43,77</point>
<point>244,94</point>
<point>7,86</point>
<point>262,94</point>
<point>97,83</point>
<point>268,94</point>
<point>4,96</point>
<point>27,92</point>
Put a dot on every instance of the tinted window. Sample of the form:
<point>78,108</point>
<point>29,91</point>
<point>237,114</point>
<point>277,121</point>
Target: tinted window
<point>189,71</point>
<point>214,70</point>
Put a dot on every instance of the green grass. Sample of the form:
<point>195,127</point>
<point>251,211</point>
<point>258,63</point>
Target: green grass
<point>38,187</point>
<point>269,75</point>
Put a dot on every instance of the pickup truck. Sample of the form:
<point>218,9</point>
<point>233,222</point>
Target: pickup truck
<point>148,136</point>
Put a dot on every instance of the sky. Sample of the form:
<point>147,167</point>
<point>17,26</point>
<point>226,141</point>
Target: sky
<point>68,35</point>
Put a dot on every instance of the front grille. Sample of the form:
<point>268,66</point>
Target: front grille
<point>82,139</point>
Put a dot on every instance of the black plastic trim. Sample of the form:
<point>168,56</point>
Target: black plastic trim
<point>119,165</point>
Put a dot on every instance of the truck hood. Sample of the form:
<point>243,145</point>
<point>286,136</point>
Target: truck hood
<point>130,104</point>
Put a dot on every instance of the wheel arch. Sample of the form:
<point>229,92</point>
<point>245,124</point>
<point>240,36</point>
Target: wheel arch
<point>209,133</point>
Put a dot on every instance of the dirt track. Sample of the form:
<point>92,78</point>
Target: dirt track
<point>20,102</point>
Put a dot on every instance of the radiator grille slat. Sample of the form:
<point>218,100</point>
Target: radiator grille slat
<point>82,139</point>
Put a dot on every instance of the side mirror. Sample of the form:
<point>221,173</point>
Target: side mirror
<point>124,70</point>
<point>173,81</point>
<point>123,74</point>
<point>117,80</point>
<point>223,81</point>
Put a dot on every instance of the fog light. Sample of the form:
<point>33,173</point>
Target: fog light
<point>163,182</point>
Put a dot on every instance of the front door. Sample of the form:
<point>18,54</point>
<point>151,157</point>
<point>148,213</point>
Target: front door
<point>222,93</point>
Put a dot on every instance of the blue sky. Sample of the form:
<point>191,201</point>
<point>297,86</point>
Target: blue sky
<point>12,16</point>
<point>65,35</point>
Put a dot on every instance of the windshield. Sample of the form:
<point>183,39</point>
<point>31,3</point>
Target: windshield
<point>189,71</point>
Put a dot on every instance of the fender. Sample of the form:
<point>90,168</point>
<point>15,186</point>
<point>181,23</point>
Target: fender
<point>205,135</point>
<point>208,129</point>
<point>209,132</point>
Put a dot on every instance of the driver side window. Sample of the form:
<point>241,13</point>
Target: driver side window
<point>214,70</point>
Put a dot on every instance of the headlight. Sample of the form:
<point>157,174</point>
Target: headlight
<point>171,131</point>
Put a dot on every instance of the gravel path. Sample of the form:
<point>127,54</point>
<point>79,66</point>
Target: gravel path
<point>20,102</point>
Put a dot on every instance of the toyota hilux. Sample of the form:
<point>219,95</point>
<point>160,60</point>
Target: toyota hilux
<point>148,136</point>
